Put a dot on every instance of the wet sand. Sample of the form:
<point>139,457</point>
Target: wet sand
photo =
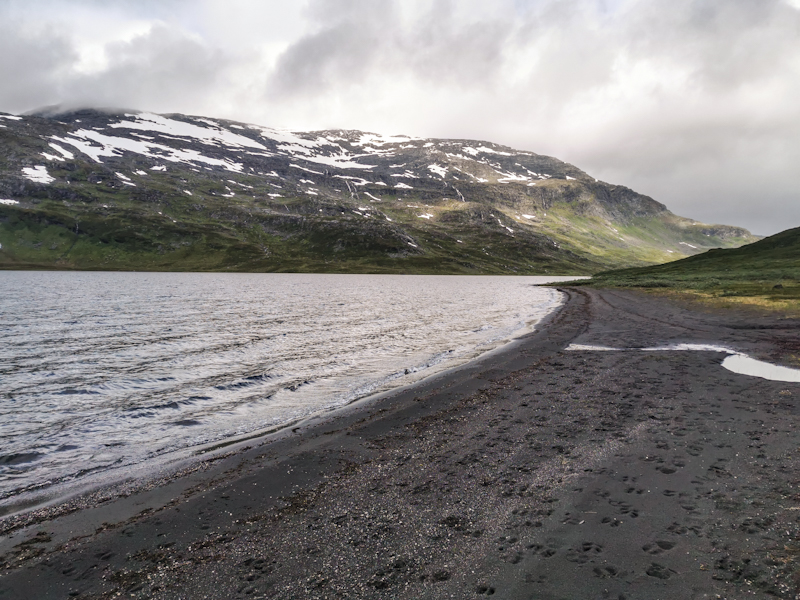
<point>535,472</point>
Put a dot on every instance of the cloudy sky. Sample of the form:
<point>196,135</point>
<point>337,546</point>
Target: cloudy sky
<point>693,102</point>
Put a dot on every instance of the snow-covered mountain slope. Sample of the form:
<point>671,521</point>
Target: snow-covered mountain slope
<point>95,189</point>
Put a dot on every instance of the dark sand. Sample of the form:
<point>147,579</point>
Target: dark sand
<point>533,473</point>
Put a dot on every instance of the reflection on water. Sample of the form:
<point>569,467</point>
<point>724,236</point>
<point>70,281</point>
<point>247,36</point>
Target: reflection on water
<point>105,371</point>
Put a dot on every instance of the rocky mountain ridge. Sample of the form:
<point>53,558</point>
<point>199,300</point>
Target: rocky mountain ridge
<point>131,190</point>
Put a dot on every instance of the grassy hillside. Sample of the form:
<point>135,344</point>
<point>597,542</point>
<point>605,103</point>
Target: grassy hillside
<point>766,273</point>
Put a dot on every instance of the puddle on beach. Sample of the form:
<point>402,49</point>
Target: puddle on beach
<point>736,362</point>
<point>744,365</point>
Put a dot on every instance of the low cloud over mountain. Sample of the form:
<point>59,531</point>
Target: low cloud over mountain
<point>690,102</point>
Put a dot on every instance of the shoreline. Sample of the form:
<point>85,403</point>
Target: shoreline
<point>52,503</point>
<point>141,408</point>
<point>548,473</point>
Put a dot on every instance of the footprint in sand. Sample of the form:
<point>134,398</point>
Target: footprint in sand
<point>612,521</point>
<point>606,572</point>
<point>659,571</point>
<point>584,552</point>
<point>658,547</point>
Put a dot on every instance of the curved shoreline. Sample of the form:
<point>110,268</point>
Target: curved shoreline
<point>60,498</point>
<point>547,473</point>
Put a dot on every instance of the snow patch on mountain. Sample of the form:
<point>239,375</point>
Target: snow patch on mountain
<point>487,150</point>
<point>212,136</point>
<point>97,145</point>
<point>125,179</point>
<point>438,169</point>
<point>510,177</point>
<point>321,150</point>
<point>62,151</point>
<point>38,174</point>
<point>373,139</point>
<point>296,166</point>
<point>341,161</point>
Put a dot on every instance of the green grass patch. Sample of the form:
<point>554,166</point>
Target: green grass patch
<point>764,274</point>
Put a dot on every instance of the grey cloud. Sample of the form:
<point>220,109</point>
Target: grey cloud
<point>724,43</point>
<point>717,145</point>
<point>332,12</point>
<point>465,57</point>
<point>35,64</point>
<point>573,55</point>
<point>161,69</point>
<point>331,58</point>
<point>359,40</point>
<point>691,101</point>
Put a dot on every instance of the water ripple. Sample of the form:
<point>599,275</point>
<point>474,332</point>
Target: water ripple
<point>108,370</point>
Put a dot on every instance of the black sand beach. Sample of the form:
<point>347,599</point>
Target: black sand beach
<point>534,473</point>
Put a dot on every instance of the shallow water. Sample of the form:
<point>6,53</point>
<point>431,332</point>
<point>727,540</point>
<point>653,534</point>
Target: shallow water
<point>105,371</point>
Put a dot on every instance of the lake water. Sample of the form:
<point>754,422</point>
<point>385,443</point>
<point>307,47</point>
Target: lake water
<point>101,373</point>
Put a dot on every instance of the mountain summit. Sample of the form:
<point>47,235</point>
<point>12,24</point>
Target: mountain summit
<point>91,189</point>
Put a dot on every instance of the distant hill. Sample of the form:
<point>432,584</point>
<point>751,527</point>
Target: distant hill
<point>93,189</point>
<point>770,266</point>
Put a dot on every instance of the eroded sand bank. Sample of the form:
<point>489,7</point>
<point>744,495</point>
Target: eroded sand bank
<point>534,473</point>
